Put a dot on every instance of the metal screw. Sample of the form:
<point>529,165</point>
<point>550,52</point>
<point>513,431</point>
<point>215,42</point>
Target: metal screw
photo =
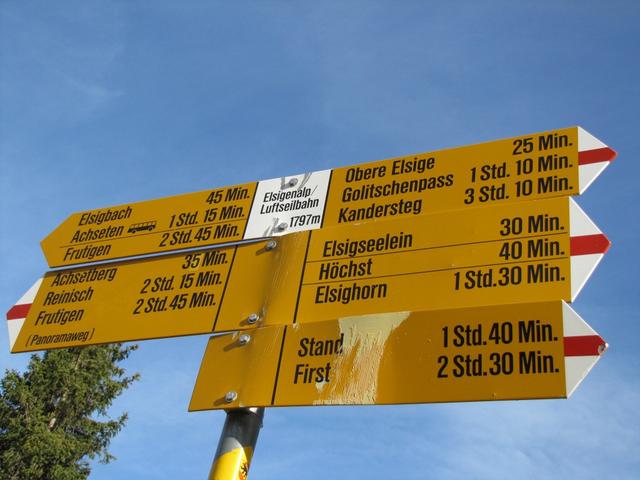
<point>271,244</point>
<point>293,182</point>
<point>253,318</point>
<point>230,396</point>
<point>244,339</point>
<point>282,227</point>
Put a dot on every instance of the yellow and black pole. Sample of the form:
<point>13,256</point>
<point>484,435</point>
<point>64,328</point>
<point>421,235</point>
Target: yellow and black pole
<point>237,443</point>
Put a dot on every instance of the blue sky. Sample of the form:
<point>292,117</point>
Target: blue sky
<point>110,102</point>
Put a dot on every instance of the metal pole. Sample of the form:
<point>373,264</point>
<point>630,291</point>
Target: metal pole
<point>237,443</point>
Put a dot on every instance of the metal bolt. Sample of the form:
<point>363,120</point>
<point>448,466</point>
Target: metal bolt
<point>282,227</point>
<point>230,396</point>
<point>271,244</point>
<point>244,339</point>
<point>602,348</point>
<point>253,318</point>
<point>293,182</point>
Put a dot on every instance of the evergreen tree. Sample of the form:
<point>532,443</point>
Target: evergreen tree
<point>53,418</point>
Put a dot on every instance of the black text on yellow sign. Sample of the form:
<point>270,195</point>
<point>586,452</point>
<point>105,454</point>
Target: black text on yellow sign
<point>197,219</point>
<point>498,254</point>
<point>168,296</point>
<point>525,168</point>
<point>543,165</point>
<point>472,354</point>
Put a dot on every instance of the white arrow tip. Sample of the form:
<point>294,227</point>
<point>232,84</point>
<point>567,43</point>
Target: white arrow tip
<point>18,313</point>
<point>582,348</point>
<point>593,157</point>
<point>579,223</point>
<point>588,246</point>
<point>586,141</point>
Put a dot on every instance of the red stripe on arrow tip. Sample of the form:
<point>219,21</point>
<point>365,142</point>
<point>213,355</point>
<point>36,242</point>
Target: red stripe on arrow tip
<point>597,155</point>
<point>589,244</point>
<point>18,311</point>
<point>584,346</point>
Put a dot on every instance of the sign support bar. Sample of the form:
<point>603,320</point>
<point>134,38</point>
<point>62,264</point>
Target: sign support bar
<point>237,444</point>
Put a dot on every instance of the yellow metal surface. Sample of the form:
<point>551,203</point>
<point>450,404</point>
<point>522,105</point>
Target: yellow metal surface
<point>267,288</point>
<point>500,254</point>
<point>190,220</point>
<point>167,296</point>
<point>486,353</point>
<point>503,171</point>
<point>483,256</point>
<point>233,465</point>
<point>530,167</point>
<point>234,366</point>
<point>444,287</point>
<point>456,227</point>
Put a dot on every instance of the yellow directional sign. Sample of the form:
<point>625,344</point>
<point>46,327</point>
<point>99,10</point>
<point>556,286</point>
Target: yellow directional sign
<point>524,351</point>
<point>498,254</point>
<point>505,170</point>
<point>534,251</point>
<point>201,218</point>
<point>548,164</point>
<point>172,295</point>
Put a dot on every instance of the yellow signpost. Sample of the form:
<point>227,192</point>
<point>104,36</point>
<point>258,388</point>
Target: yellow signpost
<point>502,352</point>
<point>433,277</point>
<point>523,168</point>
<point>168,296</point>
<point>201,218</point>
<point>549,164</point>
<point>497,254</point>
